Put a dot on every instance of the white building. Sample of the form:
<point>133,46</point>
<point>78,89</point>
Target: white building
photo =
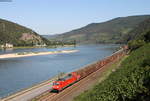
<point>42,45</point>
<point>7,45</point>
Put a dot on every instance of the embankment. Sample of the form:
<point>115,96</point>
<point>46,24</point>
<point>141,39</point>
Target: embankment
<point>130,82</point>
<point>45,86</point>
<point>95,66</point>
<point>90,76</point>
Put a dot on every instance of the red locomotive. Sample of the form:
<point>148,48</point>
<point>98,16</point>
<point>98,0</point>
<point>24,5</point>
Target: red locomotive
<point>64,82</point>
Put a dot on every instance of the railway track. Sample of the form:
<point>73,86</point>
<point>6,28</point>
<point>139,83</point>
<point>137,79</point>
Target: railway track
<point>56,97</point>
<point>75,89</point>
<point>70,90</point>
<point>89,75</point>
<point>47,97</point>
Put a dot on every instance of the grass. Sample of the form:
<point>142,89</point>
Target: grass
<point>111,68</point>
<point>22,47</point>
<point>130,82</point>
<point>105,74</point>
<point>52,46</point>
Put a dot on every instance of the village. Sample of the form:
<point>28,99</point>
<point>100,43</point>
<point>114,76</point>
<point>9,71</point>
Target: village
<point>9,45</point>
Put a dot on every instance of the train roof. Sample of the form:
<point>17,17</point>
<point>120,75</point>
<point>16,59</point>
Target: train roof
<point>65,78</point>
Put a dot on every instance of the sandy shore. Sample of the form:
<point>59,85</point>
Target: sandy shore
<point>26,54</point>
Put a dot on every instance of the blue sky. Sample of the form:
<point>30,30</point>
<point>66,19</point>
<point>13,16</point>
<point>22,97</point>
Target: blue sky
<point>58,16</point>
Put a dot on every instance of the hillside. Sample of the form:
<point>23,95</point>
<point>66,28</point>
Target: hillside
<point>19,35</point>
<point>130,82</point>
<point>137,32</point>
<point>107,32</point>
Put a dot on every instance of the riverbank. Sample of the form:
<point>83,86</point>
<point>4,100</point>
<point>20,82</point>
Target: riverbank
<point>46,86</point>
<point>52,46</point>
<point>27,54</point>
<point>130,82</point>
<point>29,93</point>
<point>88,81</point>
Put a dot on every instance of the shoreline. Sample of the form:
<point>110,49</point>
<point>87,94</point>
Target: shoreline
<point>31,92</point>
<point>53,46</point>
<point>30,88</point>
<point>27,54</point>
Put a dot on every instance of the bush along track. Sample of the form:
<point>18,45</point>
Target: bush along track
<point>131,82</point>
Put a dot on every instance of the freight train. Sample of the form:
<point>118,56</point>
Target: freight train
<point>73,77</point>
<point>66,81</point>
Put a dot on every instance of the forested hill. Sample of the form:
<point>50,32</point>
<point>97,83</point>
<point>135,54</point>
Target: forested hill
<point>138,32</point>
<point>112,31</point>
<point>18,35</point>
<point>131,80</point>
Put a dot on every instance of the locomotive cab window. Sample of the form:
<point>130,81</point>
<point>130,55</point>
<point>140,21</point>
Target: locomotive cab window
<point>69,75</point>
<point>55,83</point>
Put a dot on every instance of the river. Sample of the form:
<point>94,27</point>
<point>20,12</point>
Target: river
<point>20,73</point>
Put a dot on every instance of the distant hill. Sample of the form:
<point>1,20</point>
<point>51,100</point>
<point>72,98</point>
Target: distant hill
<point>19,35</point>
<point>112,31</point>
<point>138,32</point>
<point>49,36</point>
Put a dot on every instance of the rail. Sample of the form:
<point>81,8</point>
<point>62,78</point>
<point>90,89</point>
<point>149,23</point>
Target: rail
<point>84,72</point>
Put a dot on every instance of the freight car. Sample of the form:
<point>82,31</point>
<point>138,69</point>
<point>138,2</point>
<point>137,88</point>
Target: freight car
<point>66,81</point>
<point>62,83</point>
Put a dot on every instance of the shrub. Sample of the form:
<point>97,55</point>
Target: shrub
<point>131,82</point>
<point>134,44</point>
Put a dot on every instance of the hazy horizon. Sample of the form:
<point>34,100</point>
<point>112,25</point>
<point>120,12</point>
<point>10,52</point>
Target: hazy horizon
<point>56,17</point>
